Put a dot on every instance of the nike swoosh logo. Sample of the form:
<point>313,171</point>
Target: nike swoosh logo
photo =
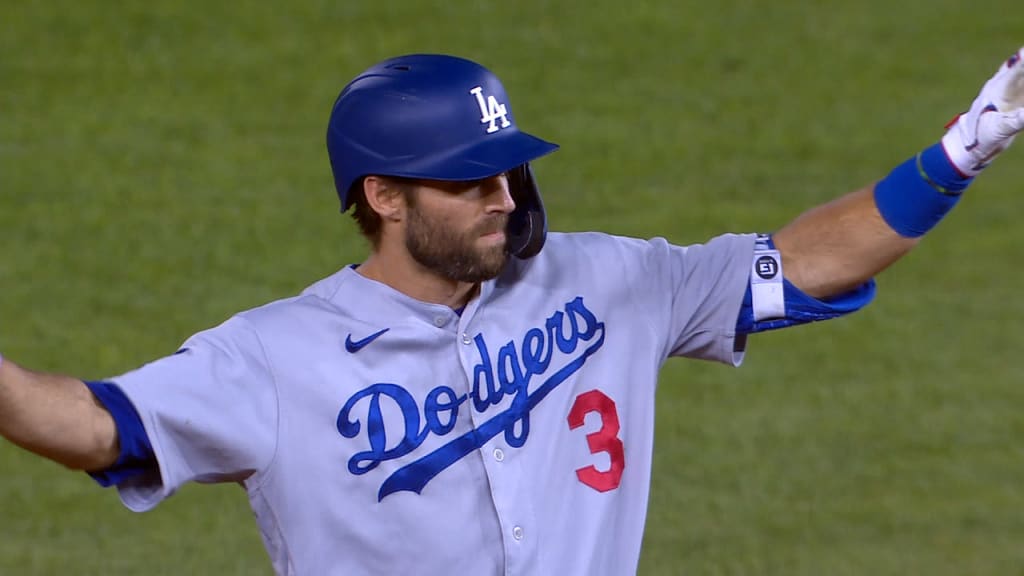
<point>973,145</point>
<point>354,346</point>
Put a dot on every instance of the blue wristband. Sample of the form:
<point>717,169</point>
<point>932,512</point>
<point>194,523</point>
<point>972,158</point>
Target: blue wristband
<point>918,193</point>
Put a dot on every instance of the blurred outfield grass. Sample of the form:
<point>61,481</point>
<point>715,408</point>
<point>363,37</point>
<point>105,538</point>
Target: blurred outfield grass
<point>162,166</point>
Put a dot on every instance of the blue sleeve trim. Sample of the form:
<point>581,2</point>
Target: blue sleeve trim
<point>802,309</point>
<point>938,170</point>
<point>136,457</point>
<point>918,193</point>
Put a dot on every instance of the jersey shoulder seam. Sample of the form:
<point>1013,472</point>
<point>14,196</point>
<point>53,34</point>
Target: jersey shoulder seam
<point>263,472</point>
<point>634,291</point>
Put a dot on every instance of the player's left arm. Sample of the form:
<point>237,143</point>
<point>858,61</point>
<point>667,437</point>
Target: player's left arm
<point>836,247</point>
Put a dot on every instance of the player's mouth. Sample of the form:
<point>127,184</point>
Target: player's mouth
<point>494,231</point>
<point>494,237</point>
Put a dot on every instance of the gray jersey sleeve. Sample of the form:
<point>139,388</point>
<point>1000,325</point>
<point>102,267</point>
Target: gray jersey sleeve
<point>693,294</point>
<point>210,412</point>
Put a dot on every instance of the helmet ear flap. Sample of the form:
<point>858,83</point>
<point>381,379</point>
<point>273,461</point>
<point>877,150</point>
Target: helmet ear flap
<point>527,225</point>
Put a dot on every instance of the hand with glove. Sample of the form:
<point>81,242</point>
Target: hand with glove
<point>977,136</point>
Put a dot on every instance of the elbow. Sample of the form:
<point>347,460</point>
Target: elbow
<point>79,456</point>
<point>97,447</point>
<point>818,281</point>
<point>103,448</point>
<point>825,288</point>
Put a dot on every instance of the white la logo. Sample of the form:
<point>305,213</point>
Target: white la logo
<point>490,111</point>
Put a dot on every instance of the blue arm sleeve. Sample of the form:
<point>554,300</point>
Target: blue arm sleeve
<point>136,456</point>
<point>801,308</point>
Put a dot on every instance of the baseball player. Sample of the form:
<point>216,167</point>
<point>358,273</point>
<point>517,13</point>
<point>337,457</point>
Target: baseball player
<point>477,396</point>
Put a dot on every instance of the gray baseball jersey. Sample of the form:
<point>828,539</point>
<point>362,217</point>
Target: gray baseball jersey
<point>377,434</point>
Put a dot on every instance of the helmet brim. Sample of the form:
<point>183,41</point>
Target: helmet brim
<point>491,156</point>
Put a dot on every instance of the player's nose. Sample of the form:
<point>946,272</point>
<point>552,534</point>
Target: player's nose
<point>499,195</point>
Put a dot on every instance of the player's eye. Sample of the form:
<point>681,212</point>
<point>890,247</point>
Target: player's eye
<point>463,186</point>
<point>459,186</point>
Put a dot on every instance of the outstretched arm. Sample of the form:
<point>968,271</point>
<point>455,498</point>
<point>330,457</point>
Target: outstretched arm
<point>835,247</point>
<point>56,417</point>
<point>838,246</point>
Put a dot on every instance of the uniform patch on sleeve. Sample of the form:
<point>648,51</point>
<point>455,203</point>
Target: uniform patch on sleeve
<point>766,281</point>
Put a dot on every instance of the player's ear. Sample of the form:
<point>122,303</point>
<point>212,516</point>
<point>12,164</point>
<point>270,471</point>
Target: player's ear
<point>385,197</point>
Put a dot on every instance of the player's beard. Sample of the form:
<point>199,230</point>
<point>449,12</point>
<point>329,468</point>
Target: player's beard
<point>452,254</point>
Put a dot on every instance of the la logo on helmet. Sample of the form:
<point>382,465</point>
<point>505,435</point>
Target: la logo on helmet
<point>491,111</point>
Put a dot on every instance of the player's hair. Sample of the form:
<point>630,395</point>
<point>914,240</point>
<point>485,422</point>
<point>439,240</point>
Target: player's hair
<point>366,217</point>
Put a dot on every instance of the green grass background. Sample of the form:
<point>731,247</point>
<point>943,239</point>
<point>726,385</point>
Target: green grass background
<point>162,165</point>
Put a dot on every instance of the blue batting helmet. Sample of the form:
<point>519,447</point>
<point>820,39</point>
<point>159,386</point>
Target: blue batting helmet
<point>436,117</point>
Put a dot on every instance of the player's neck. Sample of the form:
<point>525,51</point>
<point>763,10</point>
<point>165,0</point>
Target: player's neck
<point>410,278</point>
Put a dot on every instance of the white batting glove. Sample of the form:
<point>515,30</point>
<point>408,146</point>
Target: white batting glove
<point>977,136</point>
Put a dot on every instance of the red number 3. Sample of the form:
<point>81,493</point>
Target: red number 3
<point>604,440</point>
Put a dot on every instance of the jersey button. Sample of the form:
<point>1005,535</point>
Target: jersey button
<point>440,321</point>
<point>517,532</point>
<point>465,338</point>
<point>498,454</point>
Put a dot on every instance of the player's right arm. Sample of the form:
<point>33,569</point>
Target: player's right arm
<point>206,413</point>
<point>57,417</point>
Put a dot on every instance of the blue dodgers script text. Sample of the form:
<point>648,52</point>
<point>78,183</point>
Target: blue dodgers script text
<point>515,368</point>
